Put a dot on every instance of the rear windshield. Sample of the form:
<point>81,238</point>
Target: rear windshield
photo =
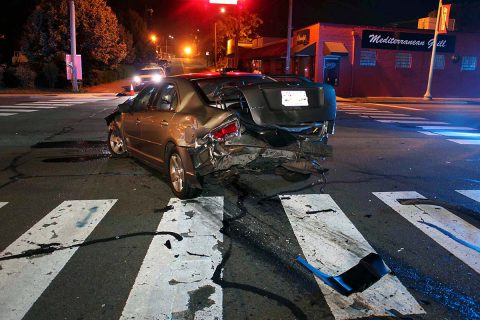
<point>212,87</point>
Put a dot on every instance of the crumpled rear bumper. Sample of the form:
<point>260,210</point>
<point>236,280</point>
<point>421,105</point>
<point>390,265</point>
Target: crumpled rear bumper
<point>239,151</point>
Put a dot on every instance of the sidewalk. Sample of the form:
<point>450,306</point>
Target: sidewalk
<point>111,87</point>
<point>410,100</point>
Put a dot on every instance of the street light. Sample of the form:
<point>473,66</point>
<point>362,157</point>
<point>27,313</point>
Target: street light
<point>187,50</point>
<point>222,11</point>
<point>153,38</point>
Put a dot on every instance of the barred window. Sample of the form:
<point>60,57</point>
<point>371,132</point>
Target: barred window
<point>403,60</point>
<point>469,63</point>
<point>439,62</point>
<point>368,58</point>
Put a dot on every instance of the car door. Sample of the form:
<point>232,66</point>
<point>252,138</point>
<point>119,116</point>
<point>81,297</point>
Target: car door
<point>156,128</point>
<point>132,120</point>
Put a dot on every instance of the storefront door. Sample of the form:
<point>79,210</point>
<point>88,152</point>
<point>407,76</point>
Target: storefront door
<point>331,70</point>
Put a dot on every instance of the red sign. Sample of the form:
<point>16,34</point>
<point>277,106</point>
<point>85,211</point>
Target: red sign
<point>444,17</point>
<point>78,65</point>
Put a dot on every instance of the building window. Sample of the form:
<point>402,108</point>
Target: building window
<point>403,60</point>
<point>368,58</point>
<point>469,63</point>
<point>439,62</point>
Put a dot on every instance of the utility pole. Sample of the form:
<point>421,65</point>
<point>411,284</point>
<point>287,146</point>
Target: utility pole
<point>73,46</point>
<point>215,46</point>
<point>428,94</point>
<point>289,37</point>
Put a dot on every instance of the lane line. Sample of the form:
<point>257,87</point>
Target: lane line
<point>16,110</point>
<point>425,216</point>
<point>472,194</point>
<point>32,106</point>
<point>23,280</point>
<point>466,142</point>
<point>394,117</point>
<point>412,122</point>
<point>370,112</point>
<point>331,242</point>
<point>7,114</point>
<point>3,204</point>
<point>393,106</point>
<point>446,128</point>
<point>428,133</point>
<point>459,134</point>
<point>167,277</point>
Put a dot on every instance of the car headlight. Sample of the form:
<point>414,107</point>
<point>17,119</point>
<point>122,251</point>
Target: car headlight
<point>156,78</point>
<point>137,79</point>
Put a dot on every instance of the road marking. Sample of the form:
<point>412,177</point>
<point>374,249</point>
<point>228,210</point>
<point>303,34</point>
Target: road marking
<point>3,204</point>
<point>370,112</point>
<point>412,122</point>
<point>33,106</point>
<point>331,242</point>
<point>58,104</point>
<point>446,128</point>
<point>472,194</point>
<point>428,133</point>
<point>7,114</point>
<point>17,110</point>
<point>168,277</point>
<point>23,280</point>
<point>394,117</point>
<point>393,106</point>
<point>466,142</point>
<point>432,220</point>
<point>459,134</point>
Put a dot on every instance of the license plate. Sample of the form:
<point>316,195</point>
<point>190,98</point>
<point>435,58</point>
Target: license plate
<point>294,99</point>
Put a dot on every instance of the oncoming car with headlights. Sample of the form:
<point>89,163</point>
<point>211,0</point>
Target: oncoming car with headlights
<point>194,125</point>
<point>148,75</point>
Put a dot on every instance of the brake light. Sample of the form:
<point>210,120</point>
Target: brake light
<point>220,134</point>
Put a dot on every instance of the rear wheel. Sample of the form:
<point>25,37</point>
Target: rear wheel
<point>116,144</point>
<point>177,176</point>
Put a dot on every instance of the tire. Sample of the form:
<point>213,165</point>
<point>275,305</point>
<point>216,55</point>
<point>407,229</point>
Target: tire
<point>291,176</point>
<point>176,176</point>
<point>116,143</point>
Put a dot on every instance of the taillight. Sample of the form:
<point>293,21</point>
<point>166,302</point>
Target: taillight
<point>221,133</point>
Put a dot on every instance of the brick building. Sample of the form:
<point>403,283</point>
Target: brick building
<point>373,61</point>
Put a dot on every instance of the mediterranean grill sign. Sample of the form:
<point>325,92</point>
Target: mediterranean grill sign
<point>406,41</point>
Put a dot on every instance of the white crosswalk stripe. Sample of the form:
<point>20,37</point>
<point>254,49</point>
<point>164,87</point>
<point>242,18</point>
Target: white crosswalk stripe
<point>463,135</point>
<point>445,228</point>
<point>393,117</point>
<point>412,121</point>
<point>16,110</point>
<point>327,238</point>
<point>32,106</point>
<point>472,194</point>
<point>7,114</point>
<point>164,274</point>
<point>23,281</point>
<point>330,241</point>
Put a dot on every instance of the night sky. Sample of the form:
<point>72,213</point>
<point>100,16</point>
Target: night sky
<point>182,17</point>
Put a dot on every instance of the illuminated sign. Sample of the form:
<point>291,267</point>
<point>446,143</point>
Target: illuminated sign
<point>224,1</point>
<point>444,16</point>
<point>406,41</point>
<point>303,37</point>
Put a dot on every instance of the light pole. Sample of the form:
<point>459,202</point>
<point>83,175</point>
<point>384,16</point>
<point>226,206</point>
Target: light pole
<point>289,37</point>
<point>428,94</point>
<point>222,11</point>
<point>73,46</point>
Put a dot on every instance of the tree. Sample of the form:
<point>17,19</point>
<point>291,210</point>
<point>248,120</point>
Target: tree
<point>133,22</point>
<point>46,33</point>
<point>242,26</point>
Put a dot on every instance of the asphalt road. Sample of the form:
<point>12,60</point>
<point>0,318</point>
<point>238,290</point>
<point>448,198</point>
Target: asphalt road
<point>87,236</point>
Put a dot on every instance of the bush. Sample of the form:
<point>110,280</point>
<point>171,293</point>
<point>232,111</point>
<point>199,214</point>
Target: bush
<point>50,72</point>
<point>25,75</point>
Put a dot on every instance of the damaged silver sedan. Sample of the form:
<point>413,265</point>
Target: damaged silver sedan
<point>195,125</point>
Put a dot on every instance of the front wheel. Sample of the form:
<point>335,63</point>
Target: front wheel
<point>116,144</point>
<point>177,176</point>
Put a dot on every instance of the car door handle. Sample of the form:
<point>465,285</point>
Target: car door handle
<point>164,123</point>
<point>137,122</point>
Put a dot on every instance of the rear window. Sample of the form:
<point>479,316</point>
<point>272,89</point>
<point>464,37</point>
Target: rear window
<point>212,87</point>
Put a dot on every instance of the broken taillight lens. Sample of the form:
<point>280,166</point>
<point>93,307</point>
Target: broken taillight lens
<point>221,133</point>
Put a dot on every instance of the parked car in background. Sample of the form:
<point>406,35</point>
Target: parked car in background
<point>195,125</point>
